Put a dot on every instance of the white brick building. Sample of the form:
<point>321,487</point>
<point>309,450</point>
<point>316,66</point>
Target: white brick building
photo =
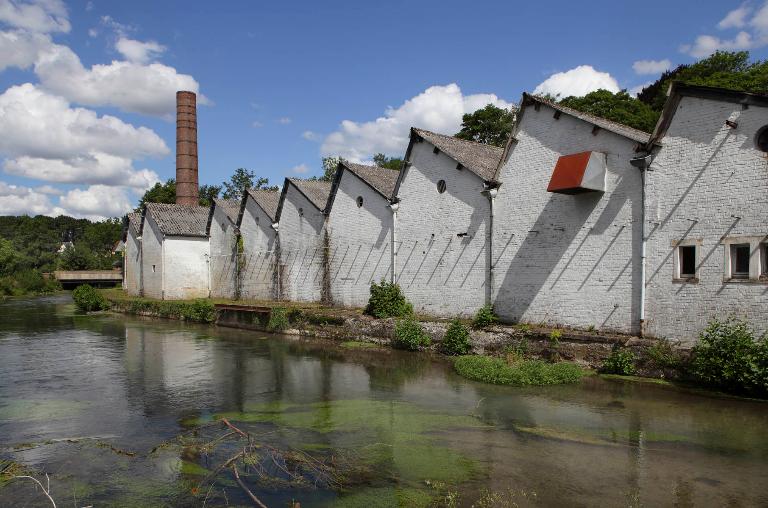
<point>442,222</point>
<point>359,226</point>
<point>303,243</point>
<point>706,212</point>
<point>223,236</point>
<point>132,254</point>
<point>175,251</point>
<point>258,223</point>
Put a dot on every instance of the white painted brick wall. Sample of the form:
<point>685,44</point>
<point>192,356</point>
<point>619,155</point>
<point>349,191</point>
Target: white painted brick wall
<point>223,239</point>
<point>259,242</point>
<point>567,260</point>
<point>301,248</point>
<point>707,182</point>
<point>132,268</point>
<point>152,270</point>
<point>360,239</point>
<point>186,266</point>
<point>440,273</point>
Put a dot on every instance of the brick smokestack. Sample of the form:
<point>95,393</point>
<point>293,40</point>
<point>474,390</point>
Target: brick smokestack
<point>186,148</point>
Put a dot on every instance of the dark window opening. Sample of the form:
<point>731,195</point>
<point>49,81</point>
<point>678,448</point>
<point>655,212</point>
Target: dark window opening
<point>441,186</point>
<point>435,150</point>
<point>301,212</point>
<point>359,201</point>
<point>257,219</point>
<point>740,261</point>
<point>687,261</point>
<point>761,140</point>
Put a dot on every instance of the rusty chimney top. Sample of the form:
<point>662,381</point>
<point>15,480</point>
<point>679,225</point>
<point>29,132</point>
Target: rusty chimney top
<point>186,148</point>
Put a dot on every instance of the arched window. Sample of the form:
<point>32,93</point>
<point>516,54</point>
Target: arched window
<point>761,139</point>
<point>441,186</point>
<point>359,201</point>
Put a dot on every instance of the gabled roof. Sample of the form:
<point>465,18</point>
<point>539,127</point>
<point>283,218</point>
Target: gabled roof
<point>179,220</point>
<point>381,180</point>
<point>316,192</point>
<point>132,223</point>
<point>267,199</point>
<point>480,158</point>
<point>678,90</point>
<point>230,207</point>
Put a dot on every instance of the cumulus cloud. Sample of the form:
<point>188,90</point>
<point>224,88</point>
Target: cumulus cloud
<point>96,202</point>
<point>284,120</point>
<point>138,51</point>
<point>19,200</point>
<point>578,82</point>
<point>651,66</point>
<point>19,48</point>
<point>705,45</point>
<point>41,16</point>
<point>737,18</point>
<point>300,169</point>
<point>438,108</point>
<point>310,136</point>
<point>753,33</point>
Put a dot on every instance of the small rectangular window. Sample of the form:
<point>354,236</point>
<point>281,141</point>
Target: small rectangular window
<point>153,268</point>
<point>740,260</point>
<point>764,261</point>
<point>687,261</point>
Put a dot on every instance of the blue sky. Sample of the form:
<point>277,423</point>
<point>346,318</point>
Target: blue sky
<point>88,86</point>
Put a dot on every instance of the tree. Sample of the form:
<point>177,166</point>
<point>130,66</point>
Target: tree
<point>208,193</point>
<point>383,161</point>
<point>330,164</point>
<point>241,181</point>
<point>9,257</point>
<point>78,257</point>
<point>618,107</point>
<point>160,193</point>
<point>490,125</point>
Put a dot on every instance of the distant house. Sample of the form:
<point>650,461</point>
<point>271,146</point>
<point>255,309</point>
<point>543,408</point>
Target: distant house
<point>442,223</point>
<point>258,229</point>
<point>223,235</point>
<point>175,251</point>
<point>360,231</point>
<point>64,246</point>
<point>303,243</point>
<point>132,254</point>
<point>706,212</point>
<point>568,220</point>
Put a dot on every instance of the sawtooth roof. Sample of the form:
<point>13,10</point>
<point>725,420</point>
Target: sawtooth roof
<point>316,191</point>
<point>480,158</point>
<point>179,220</point>
<point>383,180</point>
<point>230,207</point>
<point>267,199</point>
<point>134,222</point>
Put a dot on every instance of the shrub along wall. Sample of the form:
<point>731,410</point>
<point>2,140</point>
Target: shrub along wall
<point>199,311</point>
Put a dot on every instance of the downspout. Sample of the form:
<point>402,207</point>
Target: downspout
<point>642,163</point>
<point>162,267</point>
<point>278,255</point>
<point>141,264</point>
<point>393,272</point>
<point>492,192</point>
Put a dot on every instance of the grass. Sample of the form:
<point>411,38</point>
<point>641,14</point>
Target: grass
<point>521,373</point>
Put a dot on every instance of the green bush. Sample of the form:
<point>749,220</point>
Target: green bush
<point>485,317</point>
<point>456,340</point>
<point>728,357</point>
<point>201,311</point>
<point>410,335</point>
<point>278,319</point>
<point>620,361</point>
<point>87,299</point>
<point>27,282</point>
<point>661,355</point>
<point>522,373</point>
<point>387,300</point>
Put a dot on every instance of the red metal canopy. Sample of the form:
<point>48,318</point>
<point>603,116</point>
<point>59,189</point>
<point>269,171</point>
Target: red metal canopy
<point>578,172</point>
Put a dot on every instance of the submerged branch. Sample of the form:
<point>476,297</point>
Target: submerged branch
<point>245,488</point>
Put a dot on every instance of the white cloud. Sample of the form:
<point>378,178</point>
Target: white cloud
<point>18,200</point>
<point>49,189</point>
<point>651,66</point>
<point>578,82</point>
<point>96,202</point>
<point>284,120</point>
<point>19,48</point>
<point>639,88</point>
<point>705,45</point>
<point>438,108</point>
<point>138,51</point>
<point>759,21</point>
<point>300,169</point>
<point>41,16</point>
<point>737,18</point>
<point>310,136</point>
<point>93,33</point>
<point>94,168</point>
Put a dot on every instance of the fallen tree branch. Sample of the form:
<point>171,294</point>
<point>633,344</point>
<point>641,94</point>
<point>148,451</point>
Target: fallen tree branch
<point>47,492</point>
<point>245,488</point>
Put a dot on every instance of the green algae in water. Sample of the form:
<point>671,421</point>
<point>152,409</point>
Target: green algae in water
<point>356,344</point>
<point>189,468</point>
<point>385,497</point>
<point>33,410</point>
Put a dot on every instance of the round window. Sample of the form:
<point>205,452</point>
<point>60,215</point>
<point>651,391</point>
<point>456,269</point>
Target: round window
<point>359,201</point>
<point>761,139</point>
<point>441,186</point>
<point>301,212</point>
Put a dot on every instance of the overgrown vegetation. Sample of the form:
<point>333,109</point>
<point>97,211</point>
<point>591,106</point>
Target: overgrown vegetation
<point>410,335</point>
<point>27,282</point>
<point>387,300</point>
<point>456,340</point>
<point>490,125</point>
<point>516,373</point>
<point>87,299</point>
<point>621,361</point>
<point>728,357</point>
<point>661,355</point>
<point>199,311</point>
<point>278,320</point>
<point>485,317</point>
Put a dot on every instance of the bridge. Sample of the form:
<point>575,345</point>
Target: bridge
<point>100,278</point>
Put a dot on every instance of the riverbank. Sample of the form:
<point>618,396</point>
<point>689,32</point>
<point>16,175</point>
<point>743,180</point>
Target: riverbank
<point>650,357</point>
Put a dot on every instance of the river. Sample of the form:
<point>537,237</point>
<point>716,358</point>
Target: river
<point>108,406</point>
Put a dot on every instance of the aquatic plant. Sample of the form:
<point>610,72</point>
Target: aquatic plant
<point>485,317</point>
<point>728,357</point>
<point>200,310</point>
<point>88,299</point>
<point>456,340</point>
<point>410,335</point>
<point>620,361</point>
<point>521,373</point>
<point>278,319</point>
<point>387,300</point>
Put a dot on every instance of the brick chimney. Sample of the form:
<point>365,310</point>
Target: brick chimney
<point>186,148</point>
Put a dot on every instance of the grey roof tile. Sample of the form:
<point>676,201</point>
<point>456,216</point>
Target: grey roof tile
<point>134,222</point>
<point>230,207</point>
<point>267,199</point>
<point>381,179</point>
<point>317,191</point>
<point>479,158</point>
<point>179,220</point>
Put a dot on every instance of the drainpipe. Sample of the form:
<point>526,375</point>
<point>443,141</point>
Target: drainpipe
<point>394,207</point>
<point>491,192</point>
<point>642,163</point>
<point>141,265</point>
<point>278,254</point>
<point>162,267</point>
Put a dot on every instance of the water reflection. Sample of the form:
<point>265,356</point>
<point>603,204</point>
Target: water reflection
<point>134,383</point>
